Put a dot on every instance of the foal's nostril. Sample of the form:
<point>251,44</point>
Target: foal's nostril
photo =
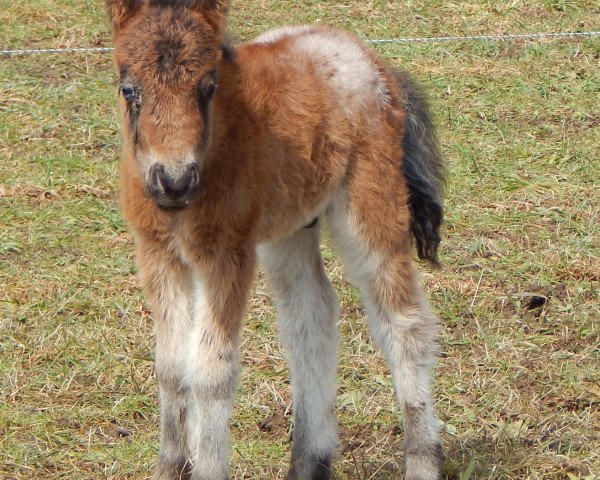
<point>173,186</point>
<point>193,178</point>
<point>181,184</point>
<point>157,175</point>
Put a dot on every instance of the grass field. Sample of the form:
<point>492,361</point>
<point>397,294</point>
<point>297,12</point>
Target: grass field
<point>518,384</point>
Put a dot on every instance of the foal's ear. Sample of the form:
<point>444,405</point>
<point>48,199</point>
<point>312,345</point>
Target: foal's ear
<point>120,11</point>
<point>215,12</point>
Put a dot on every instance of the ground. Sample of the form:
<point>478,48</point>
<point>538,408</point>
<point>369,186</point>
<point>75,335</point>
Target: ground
<point>517,386</point>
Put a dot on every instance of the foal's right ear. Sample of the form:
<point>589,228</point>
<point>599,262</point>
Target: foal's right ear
<point>120,11</point>
<point>215,11</point>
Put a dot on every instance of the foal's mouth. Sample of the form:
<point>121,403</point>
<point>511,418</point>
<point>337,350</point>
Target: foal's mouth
<point>169,203</point>
<point>172,206</point>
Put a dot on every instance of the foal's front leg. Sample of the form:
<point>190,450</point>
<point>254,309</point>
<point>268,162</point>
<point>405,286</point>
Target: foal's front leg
<point>220,286</point>
<point>167,284</point>
<point>308,310</point>
<point>198,311</point>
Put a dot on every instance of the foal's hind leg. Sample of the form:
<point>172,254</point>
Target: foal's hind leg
<point>308,309</point>
<point>377,255</point>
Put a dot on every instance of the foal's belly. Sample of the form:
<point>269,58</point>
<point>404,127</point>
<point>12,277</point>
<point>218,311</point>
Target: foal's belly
<point>299,189</point>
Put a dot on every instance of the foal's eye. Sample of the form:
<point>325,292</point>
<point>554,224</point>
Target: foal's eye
<point>128,93</point>
<point>208,87</point>
<point>209,90</point>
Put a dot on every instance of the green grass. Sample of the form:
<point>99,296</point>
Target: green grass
<point>517,387</point>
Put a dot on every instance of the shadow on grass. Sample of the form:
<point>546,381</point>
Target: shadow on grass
<point>479,457</point>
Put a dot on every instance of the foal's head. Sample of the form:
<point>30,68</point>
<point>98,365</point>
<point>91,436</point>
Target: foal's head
<point>167,53</point>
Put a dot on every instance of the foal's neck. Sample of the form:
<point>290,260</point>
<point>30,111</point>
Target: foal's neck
<point>233,114</point>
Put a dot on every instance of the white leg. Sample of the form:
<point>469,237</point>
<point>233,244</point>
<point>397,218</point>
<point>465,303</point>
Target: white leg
<point>405,330</point>
<point>168,285</point>
<point>308,310</point>
<point>408,341</point>
<point>197,313</point>
<point>212,376</point>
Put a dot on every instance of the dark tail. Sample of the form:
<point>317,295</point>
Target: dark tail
<point>423,169</point>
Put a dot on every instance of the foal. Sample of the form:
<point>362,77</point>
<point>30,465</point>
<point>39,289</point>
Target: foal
<point>232,153</point>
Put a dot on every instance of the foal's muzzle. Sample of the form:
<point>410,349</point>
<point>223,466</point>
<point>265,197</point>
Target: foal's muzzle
<point>172,189</point>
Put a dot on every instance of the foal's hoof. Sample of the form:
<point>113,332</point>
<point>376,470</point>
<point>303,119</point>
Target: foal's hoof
<point>313,470</point>
<point>180,470</point>
<point>425,465</point>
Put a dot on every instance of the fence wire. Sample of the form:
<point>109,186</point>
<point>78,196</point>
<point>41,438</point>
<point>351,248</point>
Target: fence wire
<point>12,53</point>
<point>479,38</point>
<point>383,41</point>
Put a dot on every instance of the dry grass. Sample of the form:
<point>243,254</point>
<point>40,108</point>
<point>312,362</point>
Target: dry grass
<point>518,384</point>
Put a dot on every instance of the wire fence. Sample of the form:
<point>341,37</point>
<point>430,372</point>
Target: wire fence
<point>384,41</point>
<point>480,38</point>
<point>12,53</point>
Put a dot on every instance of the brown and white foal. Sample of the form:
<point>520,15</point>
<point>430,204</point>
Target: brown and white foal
<point>232,153</point>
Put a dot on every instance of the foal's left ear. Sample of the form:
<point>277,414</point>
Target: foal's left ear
<point>121,11</point>
<point>215,12</point>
